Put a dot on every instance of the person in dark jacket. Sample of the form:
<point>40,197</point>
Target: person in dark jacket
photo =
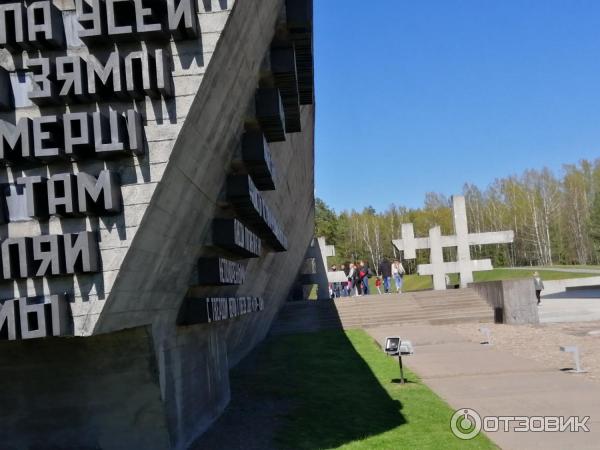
<point>539,286</point>
<point>357,279</point>
<point>346,271</point>
<point>385,271</point>
<point>363,272</point>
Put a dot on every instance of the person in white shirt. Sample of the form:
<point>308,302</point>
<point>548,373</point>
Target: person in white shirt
<point>398,274</point>
<point>351,275</point>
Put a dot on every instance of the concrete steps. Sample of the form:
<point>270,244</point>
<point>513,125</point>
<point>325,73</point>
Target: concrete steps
<point>430,307</point>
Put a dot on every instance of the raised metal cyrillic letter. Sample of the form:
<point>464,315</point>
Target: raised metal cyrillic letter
<point>12,26</point>
<point>16,256</point>
<point>111,129</point>
<point>78,134</point>
<point>103,193</point>
<point>109,75</point>
<point>48,255</point>
<point>60,315</point>
<point>6,95</point>
<point>183,18</point>
<point>111,16</point>
<point>89,15</point>
<point>135,132</point>
<point>10,325</point>
<point>44,90</point>
<point>61,201</point>
<point>50,25</point>
<point>138,62</point>
<point>36,194</point>
<point>15,138</point>
<point>149,30</point>
<point>164,78</point>
<point>81,252</point>
<point>52,134</point>
<point>68,70</point>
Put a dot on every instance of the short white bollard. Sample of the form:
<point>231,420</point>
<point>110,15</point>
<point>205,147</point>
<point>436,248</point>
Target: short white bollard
<point>575,350</point>
<point>488,335</point>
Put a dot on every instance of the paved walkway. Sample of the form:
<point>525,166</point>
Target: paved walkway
<point>493,382</point>
<point>580,305</point>
<point>559,269</point>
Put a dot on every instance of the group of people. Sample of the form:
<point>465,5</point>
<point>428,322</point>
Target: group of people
<point>359,273</point>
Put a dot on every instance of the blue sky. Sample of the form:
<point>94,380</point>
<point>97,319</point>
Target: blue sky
<point>419,96</point>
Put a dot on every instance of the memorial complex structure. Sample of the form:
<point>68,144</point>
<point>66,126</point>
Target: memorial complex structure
<point>315,273</point>
<point>462,240</point>
<point>157,187</point>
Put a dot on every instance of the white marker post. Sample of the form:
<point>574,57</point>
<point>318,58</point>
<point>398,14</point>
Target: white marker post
<point>575,350</point>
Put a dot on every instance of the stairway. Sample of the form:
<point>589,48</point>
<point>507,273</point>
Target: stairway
<point>432,307</point>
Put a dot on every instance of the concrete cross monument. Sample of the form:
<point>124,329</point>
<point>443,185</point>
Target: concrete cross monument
<point>326,252</point>
<point>316,270</point>
<point>462,240</point>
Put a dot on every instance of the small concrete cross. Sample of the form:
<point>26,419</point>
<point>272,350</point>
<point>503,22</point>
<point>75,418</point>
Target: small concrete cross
<point>326,250</point>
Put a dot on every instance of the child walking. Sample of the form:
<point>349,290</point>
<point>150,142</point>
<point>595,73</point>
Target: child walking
<point>378,284</point>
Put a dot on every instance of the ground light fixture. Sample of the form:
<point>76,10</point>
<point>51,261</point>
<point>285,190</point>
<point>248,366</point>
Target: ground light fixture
<point>487,334</point>
<point>575,350</point>
<point>395,346</point>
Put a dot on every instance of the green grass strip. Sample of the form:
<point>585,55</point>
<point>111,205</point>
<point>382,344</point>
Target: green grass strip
<point>342,395</point>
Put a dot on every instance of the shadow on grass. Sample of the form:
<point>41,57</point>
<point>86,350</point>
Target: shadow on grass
<point>319,391</point>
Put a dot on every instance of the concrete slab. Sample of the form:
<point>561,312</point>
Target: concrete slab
<point>570,306</point>
<point>497,383</point>
<point>419,335</point>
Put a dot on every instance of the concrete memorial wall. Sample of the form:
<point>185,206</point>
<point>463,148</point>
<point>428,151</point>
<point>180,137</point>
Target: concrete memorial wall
<point>155,157</point>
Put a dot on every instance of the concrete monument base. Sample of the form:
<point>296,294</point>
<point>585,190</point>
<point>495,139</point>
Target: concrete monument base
<point>513,300</point>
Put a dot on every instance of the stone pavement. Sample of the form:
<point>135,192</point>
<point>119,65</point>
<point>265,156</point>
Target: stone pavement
<point>571,306</point>
<point>559,269</point>
<point>496,383</point>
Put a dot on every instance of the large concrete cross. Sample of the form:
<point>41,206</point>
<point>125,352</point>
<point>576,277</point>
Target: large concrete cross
<point>462,240</point>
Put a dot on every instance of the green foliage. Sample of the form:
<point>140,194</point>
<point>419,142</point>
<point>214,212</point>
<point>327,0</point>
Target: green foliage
<point>326,222</point>
<point>556,220</point>
<point>594,227</point>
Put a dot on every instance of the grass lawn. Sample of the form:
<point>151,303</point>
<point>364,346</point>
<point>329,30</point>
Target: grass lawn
<point>508,274</point>
<point>339,385</point>
<point>420,283</point>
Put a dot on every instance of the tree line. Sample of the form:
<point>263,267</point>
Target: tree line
<point>556,220</point>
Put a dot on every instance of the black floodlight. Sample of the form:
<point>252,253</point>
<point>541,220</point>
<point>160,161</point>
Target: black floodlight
<point>392,345</point>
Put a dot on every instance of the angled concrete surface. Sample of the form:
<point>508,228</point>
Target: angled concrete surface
<point>496,383</point>
<point>580,305</point>
<point>149,252</point>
